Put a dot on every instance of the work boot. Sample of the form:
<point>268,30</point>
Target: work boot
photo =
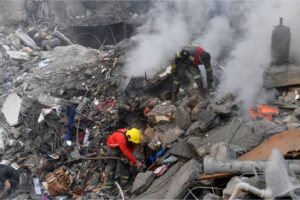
<point>124,180</point>
<point>108,187</point>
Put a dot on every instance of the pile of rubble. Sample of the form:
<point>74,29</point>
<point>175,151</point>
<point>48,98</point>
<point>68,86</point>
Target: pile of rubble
<point>58,105</point>
<point>60,101</point>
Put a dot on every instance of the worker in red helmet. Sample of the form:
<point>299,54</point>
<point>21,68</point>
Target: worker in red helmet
<point>188,59</point>
<point>121,142</point>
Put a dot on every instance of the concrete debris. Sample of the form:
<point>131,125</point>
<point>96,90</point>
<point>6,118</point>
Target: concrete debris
<point>142,182</point>
<point>18,55</point>
<point>206,120</point>
<point>160,186</point>
<point>161,112</point>
<point>171,135</point>
<point>51,101</point>
<point>182,149</point>
<point>221,151</point>
<point>182,179</point>
<point>62,94</point>
<point>26,38</point>
<point>61,36</point>
<point>267,127</point>
<point>222,110</point>
<point>285,75</point>
<point>152,138</point>
<point>11,109</point>
<point>183,118</point>
<point>16,132</point>
<point>199,146</point>
<point>2,140</point>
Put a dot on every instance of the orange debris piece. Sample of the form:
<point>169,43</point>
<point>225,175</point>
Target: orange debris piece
<point>288,141</point>
<point>263,111</point>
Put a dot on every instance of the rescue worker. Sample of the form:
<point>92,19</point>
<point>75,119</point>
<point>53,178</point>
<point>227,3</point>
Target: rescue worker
<point>122,141</point>
<point>188,59</point>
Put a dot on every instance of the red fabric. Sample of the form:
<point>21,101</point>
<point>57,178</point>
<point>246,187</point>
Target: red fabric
<point>199,50</point>
<point>118,140</point>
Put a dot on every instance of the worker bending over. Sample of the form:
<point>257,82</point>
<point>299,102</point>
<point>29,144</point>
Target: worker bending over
<point>121,142</point>
<point>188,59</point>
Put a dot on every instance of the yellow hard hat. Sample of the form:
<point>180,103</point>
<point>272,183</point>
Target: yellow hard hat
<point>134,135</point>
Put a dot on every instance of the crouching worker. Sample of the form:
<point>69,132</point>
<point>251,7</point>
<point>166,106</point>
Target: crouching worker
<point>121,142</point>
<point>9,179</point>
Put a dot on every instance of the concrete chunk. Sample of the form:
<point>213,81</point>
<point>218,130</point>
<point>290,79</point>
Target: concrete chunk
<point>171,135</point>
<point>26,38</point>
<point>18,55</point>
<point>206,120</point>
<point>11,109</point>
<point>285,75</point>
<point>222,110</point>
<point>183,118</point>
<point>51,101</point>
<point>182,179</point>
<point>2,142</point>
<point>142,182</point>
<point>160,185</point>
<point>199,146</point>
<point>182,149</point>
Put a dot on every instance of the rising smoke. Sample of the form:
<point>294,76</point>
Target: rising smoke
<point>238,33</point>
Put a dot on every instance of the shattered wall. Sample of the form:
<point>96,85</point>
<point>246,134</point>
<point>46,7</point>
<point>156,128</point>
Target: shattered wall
<point>7,7</point>
<point>66,13</point>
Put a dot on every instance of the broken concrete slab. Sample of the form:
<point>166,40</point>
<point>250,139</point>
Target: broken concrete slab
<point>182,149</point>
<point>197,144</point>
<point>142,181</point>
<point>222,110</point>
<point>182,179</point>
<point>194,129</point>
<point>11,109</point>
<point>161,112</point>
<point>18,55</point>
<point>171,135</point>
<point>195,112</point>
<point>26,38</point>
<point>267,127</point>
<point>221,151</point>
<point>160,185</point>
<point>280,76</point>
<point>51,101</point>
<point>206,120</point>
<point>183,118</point>
<point>236,133</point>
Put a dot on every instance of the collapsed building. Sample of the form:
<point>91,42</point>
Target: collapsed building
<point>61,98</point>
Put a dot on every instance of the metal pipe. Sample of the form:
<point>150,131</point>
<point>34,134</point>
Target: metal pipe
<point>212,166</point>
<point>120,189</point>
<point>262,193</point>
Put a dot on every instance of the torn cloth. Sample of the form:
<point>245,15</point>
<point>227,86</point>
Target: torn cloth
<point>70,112</point>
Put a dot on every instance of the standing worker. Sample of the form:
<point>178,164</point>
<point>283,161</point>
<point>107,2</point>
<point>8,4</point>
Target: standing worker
<point>188,59</point>
<point>123,141</point>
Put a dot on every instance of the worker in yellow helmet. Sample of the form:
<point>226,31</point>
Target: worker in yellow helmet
<point>122,141</point>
